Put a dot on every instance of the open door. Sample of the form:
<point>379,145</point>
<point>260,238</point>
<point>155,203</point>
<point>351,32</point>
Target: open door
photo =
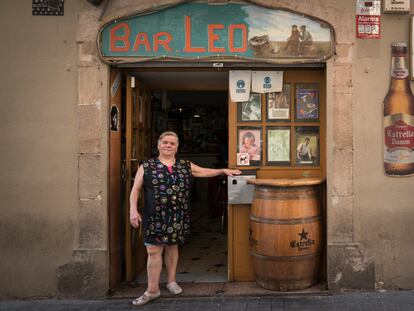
<point>115,211</point>
<point>137,144</point>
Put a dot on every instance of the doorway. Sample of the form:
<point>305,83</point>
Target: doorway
<point>195,106</point>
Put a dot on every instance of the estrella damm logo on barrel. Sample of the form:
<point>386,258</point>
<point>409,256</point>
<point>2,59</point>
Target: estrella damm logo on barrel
<point>304,241</point>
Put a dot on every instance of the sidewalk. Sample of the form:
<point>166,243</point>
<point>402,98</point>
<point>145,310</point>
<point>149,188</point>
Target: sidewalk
<point>375,301</point>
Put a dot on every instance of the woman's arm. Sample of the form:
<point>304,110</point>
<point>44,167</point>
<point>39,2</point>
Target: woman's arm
<point>134,217</point>
<point>199,171</point>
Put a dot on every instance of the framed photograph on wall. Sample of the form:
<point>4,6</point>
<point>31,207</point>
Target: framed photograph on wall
<point>249,151</point>
<point>250,111</point>
<point>278,145</point>
<point>307,145</point>
<point>307,102</point>
<point>278,104</point>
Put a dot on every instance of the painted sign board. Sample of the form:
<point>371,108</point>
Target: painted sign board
<point>368,19</point>
<point>396,6</point>
<point>201,31</point>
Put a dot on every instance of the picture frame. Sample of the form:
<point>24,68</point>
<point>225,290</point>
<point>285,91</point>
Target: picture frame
<point>250,111</point>
<point>278,104</point>
<point>307,146</point>
<point>307,102</point>
<point>278,146</point>
<point>249,144</point>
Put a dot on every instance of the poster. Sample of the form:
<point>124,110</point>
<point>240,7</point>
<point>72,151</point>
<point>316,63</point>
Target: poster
<point>240,81</point>
<point>307,145</point>
<point>278,104</point>
<point>250,110</point>
<point>307,104</point>
<point>267,81</point>
<point>249,142</point>
<point>278,146</point>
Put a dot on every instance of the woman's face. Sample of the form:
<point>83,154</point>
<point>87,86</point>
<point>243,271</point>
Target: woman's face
<point>248,141</point>
<point>168,145</point>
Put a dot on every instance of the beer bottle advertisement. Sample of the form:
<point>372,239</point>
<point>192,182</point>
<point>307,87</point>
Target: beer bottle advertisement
<point>399,117</point>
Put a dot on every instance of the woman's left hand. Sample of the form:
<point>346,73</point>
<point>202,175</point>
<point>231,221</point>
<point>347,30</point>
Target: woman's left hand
<point>230,172</point>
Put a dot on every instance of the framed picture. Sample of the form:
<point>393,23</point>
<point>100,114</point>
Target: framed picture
<point>249,151</point>
<point>250,111</point>
<point>307,145</point>
<point>278,145</point>
<point>307,102</point>
<point>278,104</point>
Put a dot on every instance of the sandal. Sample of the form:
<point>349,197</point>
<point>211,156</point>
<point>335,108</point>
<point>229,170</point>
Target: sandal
<point>145,298</point>
<point>174,288</point>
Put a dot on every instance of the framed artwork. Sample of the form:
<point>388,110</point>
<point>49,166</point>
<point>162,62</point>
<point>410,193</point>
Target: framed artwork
<point>250,111</point>
<point>278,104</point>
<point>249,151</point>
<point>278,145</point>
<point>307,145</point>
<point>307,102</point>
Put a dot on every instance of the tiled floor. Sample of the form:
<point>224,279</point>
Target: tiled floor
<point>204,258</point>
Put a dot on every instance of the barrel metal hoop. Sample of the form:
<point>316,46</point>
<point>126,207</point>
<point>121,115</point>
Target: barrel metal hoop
<point>286,258</point>
<point>291,221</point>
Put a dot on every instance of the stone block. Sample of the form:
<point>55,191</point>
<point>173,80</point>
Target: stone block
<point>348,268</point>
<point>89,176</point>
<point>343,121</point>
<point>342,75</point>
<point>90,85</point>
<point>90,127</point>
<point>341,173</point>
<point>340,220</point>
<point>344,53</point>
<point>92,226</point>
<point>85,275</point>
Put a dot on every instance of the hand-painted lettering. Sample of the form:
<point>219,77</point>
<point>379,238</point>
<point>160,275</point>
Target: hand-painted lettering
<point>163,42</point>
<point>114,38</point>
<point>188,48</point>
<point>142,39</point>
<point>212,37</point>
<point>243,29</point>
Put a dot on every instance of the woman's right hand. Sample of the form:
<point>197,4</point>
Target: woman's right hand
<point>134,218</point>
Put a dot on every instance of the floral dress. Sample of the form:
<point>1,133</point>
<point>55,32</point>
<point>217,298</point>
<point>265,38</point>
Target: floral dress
<point>166,216</point>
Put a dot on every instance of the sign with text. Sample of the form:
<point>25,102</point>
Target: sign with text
<point>396,6</point>
<point>201,31</point>
<point>368,19</point>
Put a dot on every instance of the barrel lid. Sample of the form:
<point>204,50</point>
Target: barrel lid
<point>286,182</point>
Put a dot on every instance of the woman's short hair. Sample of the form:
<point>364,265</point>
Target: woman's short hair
<point>248,135</point>
<point>168,133</point>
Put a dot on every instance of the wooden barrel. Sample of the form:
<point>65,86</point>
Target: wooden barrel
<point>285,233</point>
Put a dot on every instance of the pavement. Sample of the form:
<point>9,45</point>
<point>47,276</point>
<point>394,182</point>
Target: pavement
<point>357,300</point>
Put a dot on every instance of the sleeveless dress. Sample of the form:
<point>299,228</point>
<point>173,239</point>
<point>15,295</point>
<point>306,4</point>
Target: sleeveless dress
<point>166,215</point>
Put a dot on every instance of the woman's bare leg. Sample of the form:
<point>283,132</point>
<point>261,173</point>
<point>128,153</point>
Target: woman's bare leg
<point>154,267</point>
<point>171,262</point>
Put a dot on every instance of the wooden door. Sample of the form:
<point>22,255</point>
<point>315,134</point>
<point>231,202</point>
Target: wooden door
<point>137,149</point>
<point>115,211</point>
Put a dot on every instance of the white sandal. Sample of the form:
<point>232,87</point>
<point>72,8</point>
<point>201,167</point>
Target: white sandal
<point>145,298</point>
<point>174,288</point>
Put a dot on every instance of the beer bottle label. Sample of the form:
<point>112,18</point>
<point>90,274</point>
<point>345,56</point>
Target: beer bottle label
<point>399,68</point>
<point>399,138</point>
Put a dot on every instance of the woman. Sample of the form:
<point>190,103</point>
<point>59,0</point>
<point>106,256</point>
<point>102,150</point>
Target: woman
<point>166,215</point>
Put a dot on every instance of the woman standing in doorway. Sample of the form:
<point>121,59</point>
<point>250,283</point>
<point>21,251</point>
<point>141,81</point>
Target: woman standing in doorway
<point>166,216</point>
